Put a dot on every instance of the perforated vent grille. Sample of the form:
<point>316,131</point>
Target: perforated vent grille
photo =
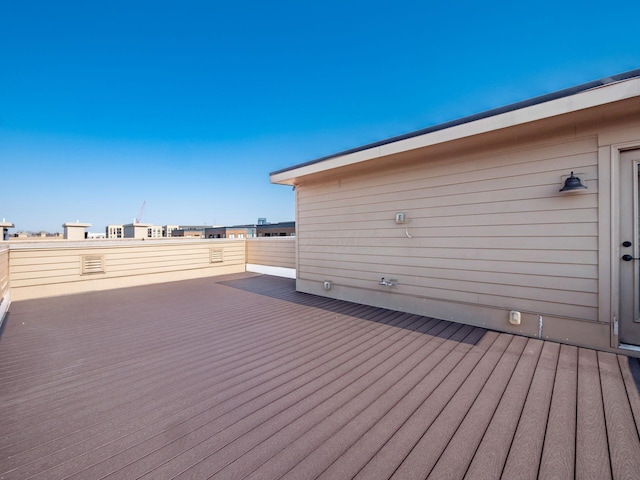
<point>215,255</point>
<point>92,264</point>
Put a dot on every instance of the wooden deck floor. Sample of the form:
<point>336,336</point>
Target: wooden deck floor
<point>242,377</point>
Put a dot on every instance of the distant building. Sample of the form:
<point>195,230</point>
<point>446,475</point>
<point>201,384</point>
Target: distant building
<point>96,236</point>
<point>167,230</point>
<point>241,231</point>
<point>75,231</point>
<point>142,230</point>
<point>32,236</point>
<point>281,229</point>
<point>154,231</point>
<point>188,232</point>
<point>261,229</point>
<point>115,231</point>
<point>4,228</point>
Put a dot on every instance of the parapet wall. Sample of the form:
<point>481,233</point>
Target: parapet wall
<point>38,269</point>
<point>49,270</point>
<point>5,292</point>
<point>272,251</point>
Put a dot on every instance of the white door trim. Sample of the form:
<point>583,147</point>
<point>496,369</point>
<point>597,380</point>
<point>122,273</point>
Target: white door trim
<point>615,240</point>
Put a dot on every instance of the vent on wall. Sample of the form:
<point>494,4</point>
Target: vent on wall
<point>92,264</point>
<point>215,255</point>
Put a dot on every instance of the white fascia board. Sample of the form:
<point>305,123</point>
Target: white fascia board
<point>590,98</point>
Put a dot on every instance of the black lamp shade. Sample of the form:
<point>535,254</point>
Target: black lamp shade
<point>572,183</point>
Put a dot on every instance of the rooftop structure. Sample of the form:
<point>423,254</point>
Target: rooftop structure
<point>521,219</point>
<point>4,229</point>
<point>75,231</point>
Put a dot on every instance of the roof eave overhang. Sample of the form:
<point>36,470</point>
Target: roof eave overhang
<point>594,97</point>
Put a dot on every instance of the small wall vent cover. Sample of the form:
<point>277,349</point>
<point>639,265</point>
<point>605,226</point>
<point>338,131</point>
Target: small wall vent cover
<point>92,264</point>
<point>215,255</point>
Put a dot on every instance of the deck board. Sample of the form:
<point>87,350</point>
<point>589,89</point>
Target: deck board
<point>592,448</point>
<point>558,454</point>
<point>630,369</point>
<point>490,456</point>
<point>242,377</point>
<point>624,444</point>
<point>525,452</point>
<point>457,456</point>
<point>423,456</point>
<point>455,369</point>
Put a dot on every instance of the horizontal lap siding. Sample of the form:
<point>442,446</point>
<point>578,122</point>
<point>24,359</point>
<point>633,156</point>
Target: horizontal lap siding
<point>59,265</point>
<point>4,271</point>
<point>489,229</point>
<point>273,252</point>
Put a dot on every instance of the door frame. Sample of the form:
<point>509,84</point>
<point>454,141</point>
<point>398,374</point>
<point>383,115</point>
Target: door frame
<point>613,226</point>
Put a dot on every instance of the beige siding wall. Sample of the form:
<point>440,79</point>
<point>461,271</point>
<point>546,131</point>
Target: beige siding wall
<point>41,271</point>
<point>272,251</point>
<point>4,278</point>
<point>486,229</point>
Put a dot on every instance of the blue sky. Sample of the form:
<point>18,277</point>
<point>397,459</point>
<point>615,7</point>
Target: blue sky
<point>189,105</point>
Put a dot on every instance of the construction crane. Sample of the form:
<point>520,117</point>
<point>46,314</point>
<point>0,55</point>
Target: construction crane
<point>139,217</point>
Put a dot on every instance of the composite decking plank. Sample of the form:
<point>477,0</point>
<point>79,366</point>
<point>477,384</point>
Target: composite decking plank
<point>352,457</point>
<point>224,428</point>
<point>110,319</point>
<point>624,444</point>
<point>109,365</point>
<point>208,338</point>
<point>630,368</point>
<point>325,441</point>
<point>592,448</point>
<point>558,453</point>
<point>523,461</point>
<point>420,461</point>
<point>187,418</point>
<point>257,439</point>
<point>209,369</point>
<point>199,391</point>
<point>455,460</point>
<point>386,461</point>
<point>490,456</point>
<point>165,338</point>
<point>158,367</point>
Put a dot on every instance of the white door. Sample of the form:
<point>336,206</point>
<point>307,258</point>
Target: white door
<point>629,322</point>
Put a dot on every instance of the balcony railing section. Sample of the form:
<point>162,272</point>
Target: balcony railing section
<point>35,270</point>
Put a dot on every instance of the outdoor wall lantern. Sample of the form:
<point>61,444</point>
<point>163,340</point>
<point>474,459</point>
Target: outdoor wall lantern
<point>572,184</point>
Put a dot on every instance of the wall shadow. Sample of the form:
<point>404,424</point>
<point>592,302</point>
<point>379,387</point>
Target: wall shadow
<point>285,289</point>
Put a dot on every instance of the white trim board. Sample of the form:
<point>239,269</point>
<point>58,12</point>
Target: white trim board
<point>275,271</point>
<point>5,303</point>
